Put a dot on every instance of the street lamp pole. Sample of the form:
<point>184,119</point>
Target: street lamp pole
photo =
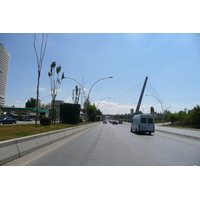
<point>91,90</point>
<point>95,83</point>
<point>87,99</point>
<point>101,100</point>
<point>161,106</point>
<point>79,84</point>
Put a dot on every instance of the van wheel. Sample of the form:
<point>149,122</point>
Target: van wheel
<point>149,133</point>
<point>131,129</point>
<point>136,130</point>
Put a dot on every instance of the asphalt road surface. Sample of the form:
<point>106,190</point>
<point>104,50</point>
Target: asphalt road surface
<point>115,145</point>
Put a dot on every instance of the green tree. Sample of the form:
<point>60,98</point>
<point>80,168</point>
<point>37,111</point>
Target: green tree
<point>195,116</point>
<point>173,118</point>
<point>31,103</point>
<point>92,112</point>
<point>181,114</point>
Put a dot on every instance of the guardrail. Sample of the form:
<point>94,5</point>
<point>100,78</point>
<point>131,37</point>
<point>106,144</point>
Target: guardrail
<point>15,148</point>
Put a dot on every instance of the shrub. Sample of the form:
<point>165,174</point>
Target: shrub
<point>45,121</point>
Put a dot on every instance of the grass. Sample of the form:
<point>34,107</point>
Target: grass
<point>8,132</point>
<point>183,126</point>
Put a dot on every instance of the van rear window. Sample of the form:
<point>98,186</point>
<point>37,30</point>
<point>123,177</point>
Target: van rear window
<point>143,120</point>
<point>150,121</point>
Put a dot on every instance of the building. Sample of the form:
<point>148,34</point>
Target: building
<point>24,113</point>
<point>57,108</point>
<point>4,66</point>
<point>132,111</point>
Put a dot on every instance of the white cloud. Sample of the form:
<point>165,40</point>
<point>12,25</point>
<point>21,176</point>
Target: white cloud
<point>69,100</point>
<point>108,107</point>
<point>42,89</point>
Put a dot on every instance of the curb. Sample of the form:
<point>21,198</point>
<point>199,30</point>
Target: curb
<point>181,135</point>
<point>15,148</point>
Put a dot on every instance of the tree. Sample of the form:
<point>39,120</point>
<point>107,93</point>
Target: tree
<point>31,103</point>
<point>55,82</point>
<point>181,114</point>
<point>195,116</point>
<point>76,94</point>
<point>92,112</point>
<point>173,118</point>
<point>39,57</point>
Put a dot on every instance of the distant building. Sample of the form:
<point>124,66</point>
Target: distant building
<point>132,111</point>
<point>4,66</point>
<point>58,102</point>
<point>57,107</point>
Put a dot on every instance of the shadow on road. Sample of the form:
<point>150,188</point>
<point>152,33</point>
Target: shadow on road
<point>142,134</point>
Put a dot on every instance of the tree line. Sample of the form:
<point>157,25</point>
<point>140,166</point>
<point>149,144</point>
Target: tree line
<point>191,118</point>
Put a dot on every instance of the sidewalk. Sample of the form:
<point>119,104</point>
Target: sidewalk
<point>185,132</point>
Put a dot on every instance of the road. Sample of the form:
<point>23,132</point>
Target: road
<point>115,145</point>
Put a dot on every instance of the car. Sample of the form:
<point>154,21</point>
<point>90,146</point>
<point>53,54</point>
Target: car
<point>120,121</point>
<point>114,122</point>
<point>7,120</point>
<point>104,122</point>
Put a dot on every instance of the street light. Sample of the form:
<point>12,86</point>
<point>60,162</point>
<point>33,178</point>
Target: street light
<point>101,100</point>
<point>91,90</point>
<point>161,106</point>
<point>95,83</point>
<point>79,84</point>
<point>45,97</point>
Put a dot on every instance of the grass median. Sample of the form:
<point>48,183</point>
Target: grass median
<point>8,132</point>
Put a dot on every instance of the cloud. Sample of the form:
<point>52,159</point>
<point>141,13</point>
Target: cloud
<point>42,89</point>
<point>108,107</point>
<point>69,100</point>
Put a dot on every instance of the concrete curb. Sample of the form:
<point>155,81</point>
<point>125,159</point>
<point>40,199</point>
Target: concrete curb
<point>178,134</point>
<point>8,151</point>
<point>15,148</point>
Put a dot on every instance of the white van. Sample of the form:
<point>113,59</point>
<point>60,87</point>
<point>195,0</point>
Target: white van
<point>142,123</point>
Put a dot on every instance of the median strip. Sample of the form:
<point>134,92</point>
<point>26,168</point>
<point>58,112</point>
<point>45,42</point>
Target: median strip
<point>15,148</point>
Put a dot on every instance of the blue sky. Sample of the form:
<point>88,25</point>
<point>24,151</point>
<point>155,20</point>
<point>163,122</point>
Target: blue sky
<point>171,62</point>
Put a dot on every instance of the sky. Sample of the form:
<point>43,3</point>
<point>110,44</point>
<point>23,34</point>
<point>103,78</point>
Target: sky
<point>92,40</point>
<point>171,62</point>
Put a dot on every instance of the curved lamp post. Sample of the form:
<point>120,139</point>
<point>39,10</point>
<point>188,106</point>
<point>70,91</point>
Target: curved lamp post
<point>45,97</point>
<point>95,83</point>
<point>101,100</point>
<point>86,99</point>
<point>79,84</point>
<point>91,90</point>
<point>161,106</point>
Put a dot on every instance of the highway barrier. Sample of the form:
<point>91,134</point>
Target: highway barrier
<point>15,148</point>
